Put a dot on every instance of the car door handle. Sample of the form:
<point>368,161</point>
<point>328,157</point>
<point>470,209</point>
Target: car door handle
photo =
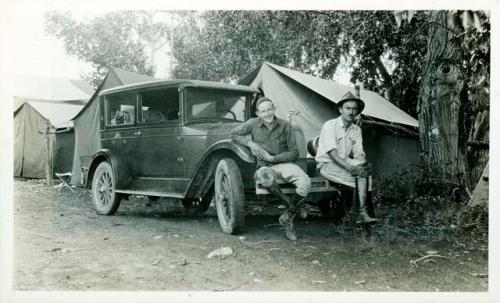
<point>137,133</point>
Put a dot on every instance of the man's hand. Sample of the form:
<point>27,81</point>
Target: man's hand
<point>368,167</point>
<point>360,170</point>
<point>267,157</point>
<point>356,170</point>
<point>256,149</point>
<point>259,152</point>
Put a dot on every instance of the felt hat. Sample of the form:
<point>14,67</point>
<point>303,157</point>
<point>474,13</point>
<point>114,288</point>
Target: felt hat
<point>350,97</point>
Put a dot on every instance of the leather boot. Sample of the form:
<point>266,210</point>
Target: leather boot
<point>276,190</point>
<point>286,219</point>
<point>364,217</point>
<point>295,203</point>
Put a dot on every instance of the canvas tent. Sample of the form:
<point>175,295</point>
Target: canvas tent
<point>69,91</point>
<point>86,121</point>
<point>388,147</point>
<point>42,104</point>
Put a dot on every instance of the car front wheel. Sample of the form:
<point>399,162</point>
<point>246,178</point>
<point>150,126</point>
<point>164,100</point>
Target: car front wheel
<point>229,196</point>
<point>106,200</point>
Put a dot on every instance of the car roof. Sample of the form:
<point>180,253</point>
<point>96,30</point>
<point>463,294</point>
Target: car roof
<point>181,83</point>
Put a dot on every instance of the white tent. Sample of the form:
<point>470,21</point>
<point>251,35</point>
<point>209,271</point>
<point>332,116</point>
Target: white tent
<point>39,104</point>
<point>391,147</point>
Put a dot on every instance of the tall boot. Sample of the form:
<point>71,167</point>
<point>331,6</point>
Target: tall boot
<point>294,203</point>
<point>276,190</point>
<point>286,219</point>
<point>364,217</point>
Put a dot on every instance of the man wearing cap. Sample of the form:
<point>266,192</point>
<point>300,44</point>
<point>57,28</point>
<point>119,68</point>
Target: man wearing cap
<point>340,157</point>
<point>273,143</point>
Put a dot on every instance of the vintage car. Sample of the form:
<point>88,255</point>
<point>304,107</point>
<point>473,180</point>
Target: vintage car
<point>172,139</point>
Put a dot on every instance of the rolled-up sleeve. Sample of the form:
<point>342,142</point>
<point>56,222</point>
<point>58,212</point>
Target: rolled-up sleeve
<point>239,133</point>
<point>327,140</point>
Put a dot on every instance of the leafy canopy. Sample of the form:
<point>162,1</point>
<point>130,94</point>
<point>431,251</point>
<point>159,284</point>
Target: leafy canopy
<point>227,45</point>
<point>116,39</point>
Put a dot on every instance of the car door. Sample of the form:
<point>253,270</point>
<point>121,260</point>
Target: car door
<point>120,131</point>
<point>160,138</point>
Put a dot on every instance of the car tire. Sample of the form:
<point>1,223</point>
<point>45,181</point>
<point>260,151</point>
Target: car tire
<point>106,200</point>
<point>229,196</point>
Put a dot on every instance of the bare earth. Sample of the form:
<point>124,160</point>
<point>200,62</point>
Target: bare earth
<point>62,244</point>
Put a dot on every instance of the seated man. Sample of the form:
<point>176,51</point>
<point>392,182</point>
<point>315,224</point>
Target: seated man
<point>340,157</point>
<point>273,143</point>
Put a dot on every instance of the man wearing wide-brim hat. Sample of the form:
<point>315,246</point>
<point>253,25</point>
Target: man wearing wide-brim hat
<point>340,156</point>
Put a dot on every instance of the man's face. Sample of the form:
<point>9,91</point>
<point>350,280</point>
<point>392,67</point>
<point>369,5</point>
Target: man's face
<point>265,111</point>
<point>349,110</point>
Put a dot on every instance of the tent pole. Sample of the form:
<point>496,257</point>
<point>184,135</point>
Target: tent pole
<point>48,165</point>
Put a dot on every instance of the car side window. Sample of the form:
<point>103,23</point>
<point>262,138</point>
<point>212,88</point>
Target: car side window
<point>215,104</point>
<point>120,109</point>
<point>160,105</point>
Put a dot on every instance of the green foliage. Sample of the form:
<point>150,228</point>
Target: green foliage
<point>226,45</point>
<point>229,44</point>
<point>428,207</point>
<point>110,40</point>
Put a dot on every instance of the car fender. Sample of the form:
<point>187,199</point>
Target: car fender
<point>242,152</point>
<point>120,169</point>
<point>201,180</point>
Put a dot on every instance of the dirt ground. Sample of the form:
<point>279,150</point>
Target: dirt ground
<point>62,244</point>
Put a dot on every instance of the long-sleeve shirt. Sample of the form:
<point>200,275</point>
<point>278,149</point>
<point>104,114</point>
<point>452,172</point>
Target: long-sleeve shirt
<point>278,141</point>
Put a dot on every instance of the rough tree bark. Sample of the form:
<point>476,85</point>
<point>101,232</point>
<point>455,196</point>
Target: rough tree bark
<point>450,113</point>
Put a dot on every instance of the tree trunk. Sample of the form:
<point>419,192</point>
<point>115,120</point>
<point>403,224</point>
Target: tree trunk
<point>440,105</point>
<point>450,113</point>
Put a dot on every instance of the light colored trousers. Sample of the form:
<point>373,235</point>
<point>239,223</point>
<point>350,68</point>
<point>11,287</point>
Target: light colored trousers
<point>284,173</point>
<point>338,174</point>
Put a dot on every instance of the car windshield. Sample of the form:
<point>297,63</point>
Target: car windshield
<point>215,104</point>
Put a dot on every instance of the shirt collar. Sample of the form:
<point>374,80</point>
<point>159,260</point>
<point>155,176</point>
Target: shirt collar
<point>276,122</point>
<point>340,123</point>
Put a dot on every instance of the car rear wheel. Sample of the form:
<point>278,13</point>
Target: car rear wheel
<point>106,200</point>
<point>229,196</point>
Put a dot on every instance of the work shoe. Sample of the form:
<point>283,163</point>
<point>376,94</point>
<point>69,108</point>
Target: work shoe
<point>287,222</point>
<point>365,218</point>
<point>283,219</point>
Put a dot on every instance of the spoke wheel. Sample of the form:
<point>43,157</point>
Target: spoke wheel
<point>229,196</point>
<point>106,200</point>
